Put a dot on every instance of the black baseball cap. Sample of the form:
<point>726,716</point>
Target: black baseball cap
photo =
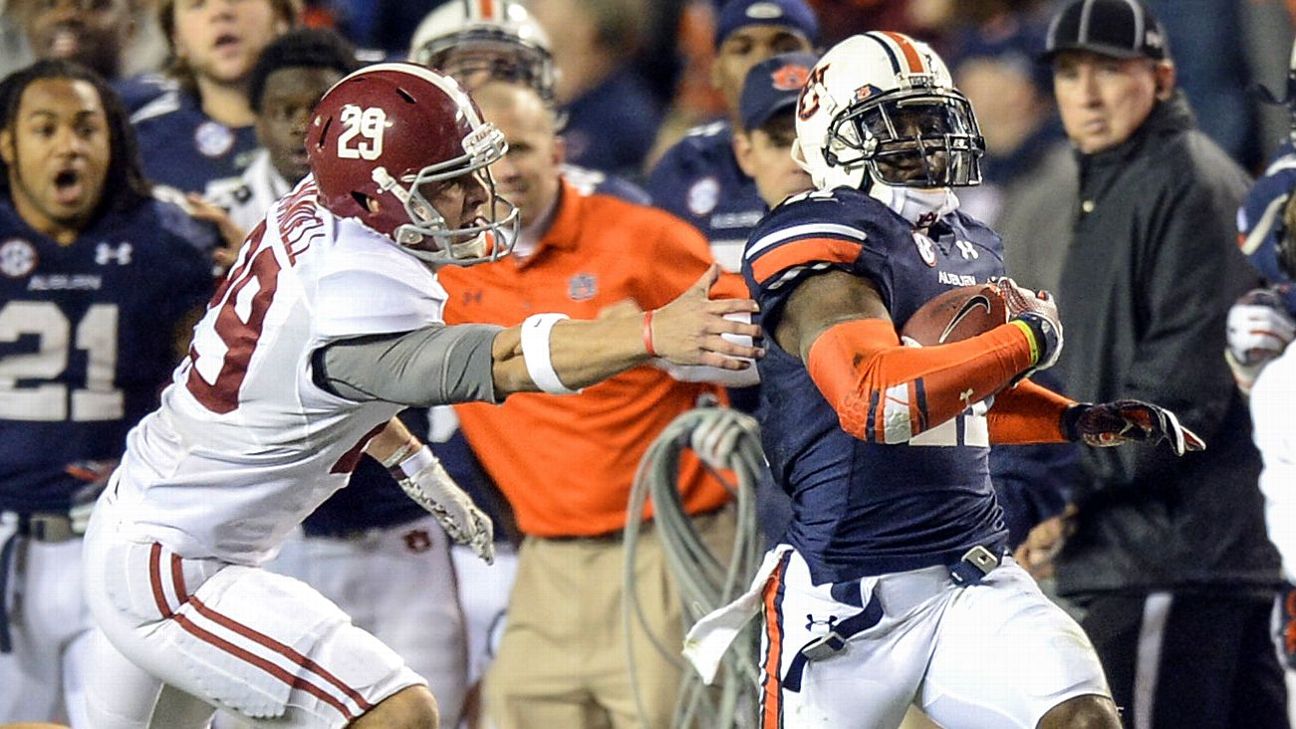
<point>1116,28</point>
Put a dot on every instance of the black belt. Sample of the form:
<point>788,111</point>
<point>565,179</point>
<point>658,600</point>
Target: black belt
<point>51,527</point>
<point>976,563</point>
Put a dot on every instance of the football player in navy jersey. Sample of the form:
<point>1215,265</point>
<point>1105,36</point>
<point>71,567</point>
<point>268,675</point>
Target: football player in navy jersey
<point>98,285</point>
<point>199,136</point>
<point>699,178</point>
<point>893,586</point>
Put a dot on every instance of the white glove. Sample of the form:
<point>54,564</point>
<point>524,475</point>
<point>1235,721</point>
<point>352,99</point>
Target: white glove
<point>426,481</point>
<point>1039,309</point>
<point>1259,329</point>
<point>716,437</point>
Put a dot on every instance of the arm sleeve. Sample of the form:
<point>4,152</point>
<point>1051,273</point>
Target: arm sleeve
<point>1189,275</point>
<point>435,365</point>
<point>884,392</point>
<point>1027,413</point>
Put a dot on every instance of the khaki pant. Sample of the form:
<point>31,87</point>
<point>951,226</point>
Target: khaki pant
<point>562,662</point>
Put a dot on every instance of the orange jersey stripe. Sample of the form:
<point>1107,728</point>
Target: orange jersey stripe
<point>772,685</point>
<point>487,9</point>
<point>912,57</point>
<point>807,250</point>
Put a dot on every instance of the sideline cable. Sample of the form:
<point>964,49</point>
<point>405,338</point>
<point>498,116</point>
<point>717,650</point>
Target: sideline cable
<point>729,439</point>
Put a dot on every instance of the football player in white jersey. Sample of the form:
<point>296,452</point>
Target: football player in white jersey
<point>327,325</point>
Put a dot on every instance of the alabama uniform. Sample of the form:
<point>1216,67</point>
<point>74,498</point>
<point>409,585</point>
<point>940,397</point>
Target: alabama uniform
<point>244,447</point>
<point>893,574</point>
<point>87,336</point>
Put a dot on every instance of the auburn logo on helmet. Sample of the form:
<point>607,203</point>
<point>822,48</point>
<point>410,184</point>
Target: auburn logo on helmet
<point>808,103</point>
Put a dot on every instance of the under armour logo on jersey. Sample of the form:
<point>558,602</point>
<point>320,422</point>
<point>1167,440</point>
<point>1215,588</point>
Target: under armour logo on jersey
<point>811,622</point>
<point>966,248</point>
<point>121,253</point>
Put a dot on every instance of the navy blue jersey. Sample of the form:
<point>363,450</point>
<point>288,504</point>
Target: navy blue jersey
<point>611,127</point>
<point>699,180</point>
<point>136,91</point>
<point>87,339</point>
<point>865,508</point>
<point>181,147</point>
<point>1260,219</point>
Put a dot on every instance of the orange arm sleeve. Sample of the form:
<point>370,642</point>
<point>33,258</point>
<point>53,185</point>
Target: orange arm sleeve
<point>1027,413</point>
<point>884,392</point>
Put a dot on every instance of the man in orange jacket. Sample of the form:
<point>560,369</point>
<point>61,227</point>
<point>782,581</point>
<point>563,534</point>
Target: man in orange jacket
<point>566,464</point>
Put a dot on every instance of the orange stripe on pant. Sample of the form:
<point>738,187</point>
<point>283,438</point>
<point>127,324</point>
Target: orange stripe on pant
<point>772,687</point>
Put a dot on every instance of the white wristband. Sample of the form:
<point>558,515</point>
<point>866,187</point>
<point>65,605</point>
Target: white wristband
<point>535,353</point>
<point>421,459</point>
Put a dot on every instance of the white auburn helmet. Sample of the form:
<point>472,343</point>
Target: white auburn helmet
<point>496,39</point>
<point>881,108</point>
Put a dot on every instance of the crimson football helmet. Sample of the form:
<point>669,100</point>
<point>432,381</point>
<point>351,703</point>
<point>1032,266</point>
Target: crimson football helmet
<point>383,133</point>
<point>880,108</point>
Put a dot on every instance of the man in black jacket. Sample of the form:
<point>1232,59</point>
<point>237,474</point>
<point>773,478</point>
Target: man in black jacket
<point>1168,556</point>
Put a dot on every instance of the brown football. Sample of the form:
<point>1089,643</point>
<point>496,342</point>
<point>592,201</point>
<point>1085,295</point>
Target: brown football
<point>956,315</point>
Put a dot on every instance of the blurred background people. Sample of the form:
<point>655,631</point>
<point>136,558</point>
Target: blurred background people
<point>100,284</point>
<point>206,125</point>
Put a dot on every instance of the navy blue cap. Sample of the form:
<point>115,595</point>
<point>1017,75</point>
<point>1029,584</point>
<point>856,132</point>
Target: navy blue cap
<point>1115,28</point>
<point>772,86</point>
<point>795,14</point>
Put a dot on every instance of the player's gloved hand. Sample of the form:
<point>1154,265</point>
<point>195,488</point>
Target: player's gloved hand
<point>1038,311</point>
<point>95,475</point>
<point>715,439</point>
<point>1113,423</point>
<point>1287,624</point>
<point>1259,329</point>
<point>426,481</point>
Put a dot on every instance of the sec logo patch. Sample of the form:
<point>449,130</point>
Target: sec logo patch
<point>926,248</point>
<point>703,196</point>
<point>213,139</point>
<point>17,258</point>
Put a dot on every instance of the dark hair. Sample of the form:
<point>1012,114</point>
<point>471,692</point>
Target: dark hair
<point>301,48</point>
<point>124,184</point>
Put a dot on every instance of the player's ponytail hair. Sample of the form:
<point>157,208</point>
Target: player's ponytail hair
<point>124,184</point>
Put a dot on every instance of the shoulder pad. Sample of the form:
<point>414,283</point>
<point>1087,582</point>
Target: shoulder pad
<point>169,102</point>
<point>369,286</point>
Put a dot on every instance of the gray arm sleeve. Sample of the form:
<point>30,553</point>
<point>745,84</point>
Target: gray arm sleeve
<point>436,365</point>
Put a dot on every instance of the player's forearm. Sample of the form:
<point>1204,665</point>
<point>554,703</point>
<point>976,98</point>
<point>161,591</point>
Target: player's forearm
<point>389,440</point>
<point>581,353</point>
<point>887,393</point>
<point>1028,413</point>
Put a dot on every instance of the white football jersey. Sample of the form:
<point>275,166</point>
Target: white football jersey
<point>245,445</point>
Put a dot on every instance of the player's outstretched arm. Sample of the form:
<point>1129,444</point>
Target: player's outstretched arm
<point>551,353</point>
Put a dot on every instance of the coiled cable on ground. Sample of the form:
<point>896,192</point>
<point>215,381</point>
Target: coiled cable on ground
<point>728,439</point>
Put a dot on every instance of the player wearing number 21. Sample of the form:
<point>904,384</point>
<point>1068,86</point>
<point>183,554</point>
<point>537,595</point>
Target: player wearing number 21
<point>97,282</point>
<point>327,325</point>
<point>893,586</point>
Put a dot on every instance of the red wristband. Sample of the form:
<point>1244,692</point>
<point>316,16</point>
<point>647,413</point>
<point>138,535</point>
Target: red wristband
<point>647,333</point>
